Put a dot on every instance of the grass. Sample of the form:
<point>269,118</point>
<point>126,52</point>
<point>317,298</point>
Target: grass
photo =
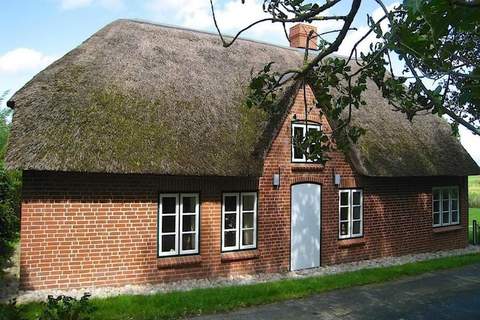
<point>474,191</point>
<point>206,301</point>
<point>473,214</point>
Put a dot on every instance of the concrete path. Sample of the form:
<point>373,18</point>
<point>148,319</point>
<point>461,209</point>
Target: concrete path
<point>449,294</point>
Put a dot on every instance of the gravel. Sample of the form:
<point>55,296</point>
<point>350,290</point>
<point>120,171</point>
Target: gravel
<point>102,292</point>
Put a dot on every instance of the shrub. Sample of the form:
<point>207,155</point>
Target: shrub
<point>10,183</point>
<point>67,308</point>
<point>10,311</point>
<point>474,200</point>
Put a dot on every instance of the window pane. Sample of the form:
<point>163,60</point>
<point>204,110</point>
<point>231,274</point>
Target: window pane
<point>188,223</point>
<point>454,204</point>
<point>248,202</point>
<point>343,228</point>
<point>189,204</point>
<point>356,198</point>
<point>168,243</point>
<point>436,218</point>
<point>446,217</point>
<point>356,212</point>
<point>344,198</point>
<point>445,194</point>
<point>188,241</point>
<point>356,227</point>
<point>454,193</point>
<point>445,205</point>
<point>247,237</point>
<point>230,238</point>
<point>436,206</point>
<point>231,203</point>
<point>230,221</point>
<point>436,195</point>
<point>344,213</point>
<point>168,224</point>
<point>247,220</point>
<point>168,205</point>
<point>454,216</point>
<point>297,138</point>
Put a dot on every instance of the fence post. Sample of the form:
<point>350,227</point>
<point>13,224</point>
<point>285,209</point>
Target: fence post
<point>475,232</point>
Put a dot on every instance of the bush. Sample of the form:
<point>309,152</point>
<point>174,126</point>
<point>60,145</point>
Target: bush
<point>67,308</point>
<point>474,200</point>
<point>10,185</point>
<point>10,311</point>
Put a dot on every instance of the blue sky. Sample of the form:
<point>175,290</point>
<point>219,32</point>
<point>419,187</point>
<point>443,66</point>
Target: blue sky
<point>37,32</point>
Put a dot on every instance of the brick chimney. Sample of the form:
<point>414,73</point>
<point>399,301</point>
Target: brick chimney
<point>298,36</point>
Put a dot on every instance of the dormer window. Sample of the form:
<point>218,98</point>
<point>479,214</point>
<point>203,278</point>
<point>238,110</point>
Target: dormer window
<point>298,134</point>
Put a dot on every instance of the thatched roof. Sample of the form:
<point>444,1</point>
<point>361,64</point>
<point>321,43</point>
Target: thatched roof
<point>143,98</point>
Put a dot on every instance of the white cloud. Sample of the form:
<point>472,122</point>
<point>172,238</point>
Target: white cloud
<point>354,36</point>
<point>76,4</point>
<point>232,16</point>
<point>23,60</point>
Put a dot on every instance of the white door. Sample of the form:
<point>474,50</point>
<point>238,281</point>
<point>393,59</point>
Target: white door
<point>305,234</point>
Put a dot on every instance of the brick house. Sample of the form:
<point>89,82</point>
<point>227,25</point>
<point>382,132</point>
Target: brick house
<point>141,165</point>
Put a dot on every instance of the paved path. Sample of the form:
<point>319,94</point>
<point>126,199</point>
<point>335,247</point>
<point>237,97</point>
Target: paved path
<point>449,294</point>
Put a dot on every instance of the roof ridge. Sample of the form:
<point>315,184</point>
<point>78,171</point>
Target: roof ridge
<point>171,26</point>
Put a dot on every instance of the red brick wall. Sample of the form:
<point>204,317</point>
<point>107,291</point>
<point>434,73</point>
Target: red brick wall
<point>81,230</point>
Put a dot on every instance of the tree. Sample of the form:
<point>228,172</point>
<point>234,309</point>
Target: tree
<point>438,42</point>
<point>10,186</point>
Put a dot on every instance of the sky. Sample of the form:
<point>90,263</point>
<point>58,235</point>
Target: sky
<point>37,32</point>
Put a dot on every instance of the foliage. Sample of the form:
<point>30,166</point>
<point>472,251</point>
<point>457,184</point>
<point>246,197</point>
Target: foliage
<point>67,308</point>
<point>438,42</point>
<point>10,311</point>
<point>10,195</point>
<point>474,192</point>
<point>473,214</point>
<point>180,304</point>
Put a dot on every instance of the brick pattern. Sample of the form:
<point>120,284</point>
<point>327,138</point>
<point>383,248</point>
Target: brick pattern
<point>83,230</point>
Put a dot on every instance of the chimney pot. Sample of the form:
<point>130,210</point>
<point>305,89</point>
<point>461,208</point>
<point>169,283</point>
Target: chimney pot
<point>298,36</point>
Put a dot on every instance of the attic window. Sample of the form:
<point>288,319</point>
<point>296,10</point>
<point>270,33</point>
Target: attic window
<point>445,206</point>
<point>298,134</point>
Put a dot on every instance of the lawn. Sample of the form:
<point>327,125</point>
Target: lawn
<point>206,301</point>
<point>474,191</point>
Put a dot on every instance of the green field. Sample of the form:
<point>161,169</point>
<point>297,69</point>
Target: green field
<point>474,192</point>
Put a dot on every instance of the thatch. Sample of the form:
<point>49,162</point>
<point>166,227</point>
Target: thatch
<point>143,98</point>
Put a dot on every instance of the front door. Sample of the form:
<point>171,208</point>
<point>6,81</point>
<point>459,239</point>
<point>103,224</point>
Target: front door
<point>305,234</point>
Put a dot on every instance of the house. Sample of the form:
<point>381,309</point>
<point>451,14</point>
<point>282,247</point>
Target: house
<point>141,164</point>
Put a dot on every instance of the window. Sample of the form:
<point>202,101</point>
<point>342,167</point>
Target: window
<point>239,221</point>
<point>445,206</point>
<point>351,213</point>
<point>178,224</point>
<point>298,134</point>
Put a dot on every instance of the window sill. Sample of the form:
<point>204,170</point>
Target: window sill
<point>447,229</point>
<point>240,255</point>
<point>178,261</point>
<point>306,167</point>
<point>347,243</point>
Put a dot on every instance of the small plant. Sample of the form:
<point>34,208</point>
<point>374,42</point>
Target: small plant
<point>10,311</point>
<point>67,308</point>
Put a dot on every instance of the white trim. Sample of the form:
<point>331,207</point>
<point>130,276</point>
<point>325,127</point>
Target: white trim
<point>160,225</point>
<point>239,221</point>
<point>178,224</point>
<point>195,232</point>
<point>303,126</point>
<point>453,194</point>
<point>350,220</point>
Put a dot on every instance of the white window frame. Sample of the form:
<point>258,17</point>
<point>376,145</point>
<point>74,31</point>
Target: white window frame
<point>452,190</point>
<point>350,219</point>
<point>239,221</point>
<point>178,224</point>
<point>303,126</point>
